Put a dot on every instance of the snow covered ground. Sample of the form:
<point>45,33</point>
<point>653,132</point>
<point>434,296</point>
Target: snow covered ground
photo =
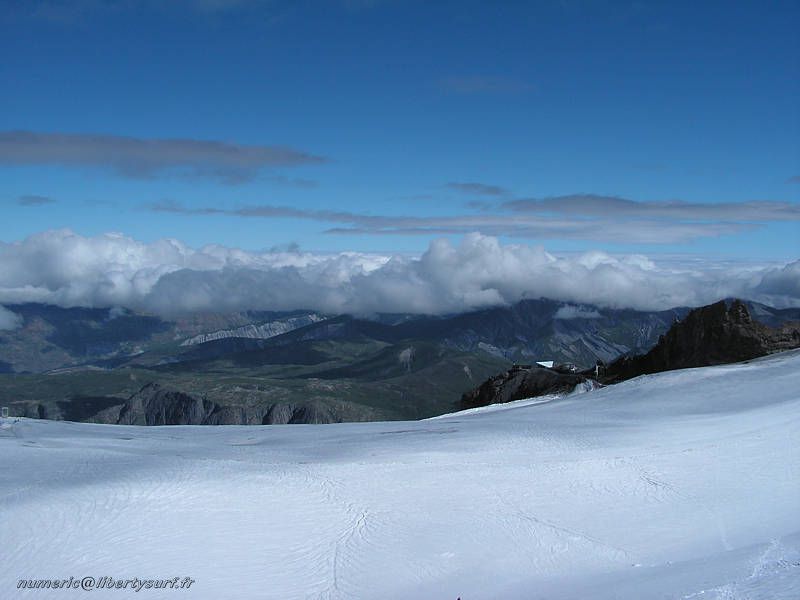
<point>679,485</point>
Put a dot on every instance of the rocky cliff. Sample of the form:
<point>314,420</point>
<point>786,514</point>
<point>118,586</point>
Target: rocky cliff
<point>158,405</point>
<point>519,383</point>
<point>719,333</point>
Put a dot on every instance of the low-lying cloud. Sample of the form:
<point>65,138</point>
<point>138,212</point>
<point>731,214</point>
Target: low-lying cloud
<point>8,319</point>
<point>148,158</point>
<point>168,277</point>
<point>570,311</point>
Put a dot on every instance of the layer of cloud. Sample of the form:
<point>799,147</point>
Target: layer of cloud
<point>793,179</point>
<point>167,277</point>
<point>570,311</point>
<point>578,216</point>
<point>9,320</point>
<point>477,189</point>
<point>147,158</point>
<point>777,284</point>
<point>590,205</point>
<point>604,227</point>
<point>34,200</point>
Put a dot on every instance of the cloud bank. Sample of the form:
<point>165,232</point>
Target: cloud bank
<point>578,217</point>
<point>148,158</point>
<point>168,277</point>
<point>9,320</point>
<point>570,311</point>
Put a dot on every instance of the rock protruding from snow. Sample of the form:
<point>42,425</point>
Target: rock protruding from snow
<point>716,334</point>
<point>519,383</point>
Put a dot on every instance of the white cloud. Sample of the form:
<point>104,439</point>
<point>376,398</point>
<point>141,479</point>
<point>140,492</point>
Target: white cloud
<point>8,319</point>
<point>166,277</point>
<point>569,311</point>
<point>781,283</point>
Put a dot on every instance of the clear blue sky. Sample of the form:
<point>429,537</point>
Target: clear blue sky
<point>435,117</point>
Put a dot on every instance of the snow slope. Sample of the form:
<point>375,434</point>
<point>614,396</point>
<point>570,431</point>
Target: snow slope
<point>678,485</point>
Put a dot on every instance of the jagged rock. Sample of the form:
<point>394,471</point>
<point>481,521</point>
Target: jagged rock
<point>313,412</point>
<point>716,334</point>
<point>278,414</point>
<point>310,412</point>
<point>156,405</point>
<point>234,415</point>
<point>520,383</point>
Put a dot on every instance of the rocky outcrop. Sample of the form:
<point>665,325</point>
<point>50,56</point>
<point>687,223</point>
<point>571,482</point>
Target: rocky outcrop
<point>519,383</point>
<point>234,415</point>
<point>309,412</point>
<point>156,405</point>
<point>719,333</point>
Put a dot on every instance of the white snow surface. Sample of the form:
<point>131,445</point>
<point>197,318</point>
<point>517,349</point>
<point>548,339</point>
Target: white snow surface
<point>680,485</point>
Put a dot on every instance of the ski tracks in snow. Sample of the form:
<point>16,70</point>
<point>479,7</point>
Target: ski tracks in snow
<point>336,553</point>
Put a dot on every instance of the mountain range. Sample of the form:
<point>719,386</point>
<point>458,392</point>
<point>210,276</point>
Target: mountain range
<point>299,366</point>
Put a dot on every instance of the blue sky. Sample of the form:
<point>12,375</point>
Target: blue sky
<point>383,125</point>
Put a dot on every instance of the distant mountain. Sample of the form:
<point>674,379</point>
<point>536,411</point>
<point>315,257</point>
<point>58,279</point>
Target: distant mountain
<point>300,366</point>
<point>261,331</point>
<point>528,330</point>
<point>533,330</point>
<point>53,337</point>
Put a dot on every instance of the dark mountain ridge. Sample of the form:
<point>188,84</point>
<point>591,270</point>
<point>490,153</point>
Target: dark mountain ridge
<point>528,330</point>
<point>720,333</point>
